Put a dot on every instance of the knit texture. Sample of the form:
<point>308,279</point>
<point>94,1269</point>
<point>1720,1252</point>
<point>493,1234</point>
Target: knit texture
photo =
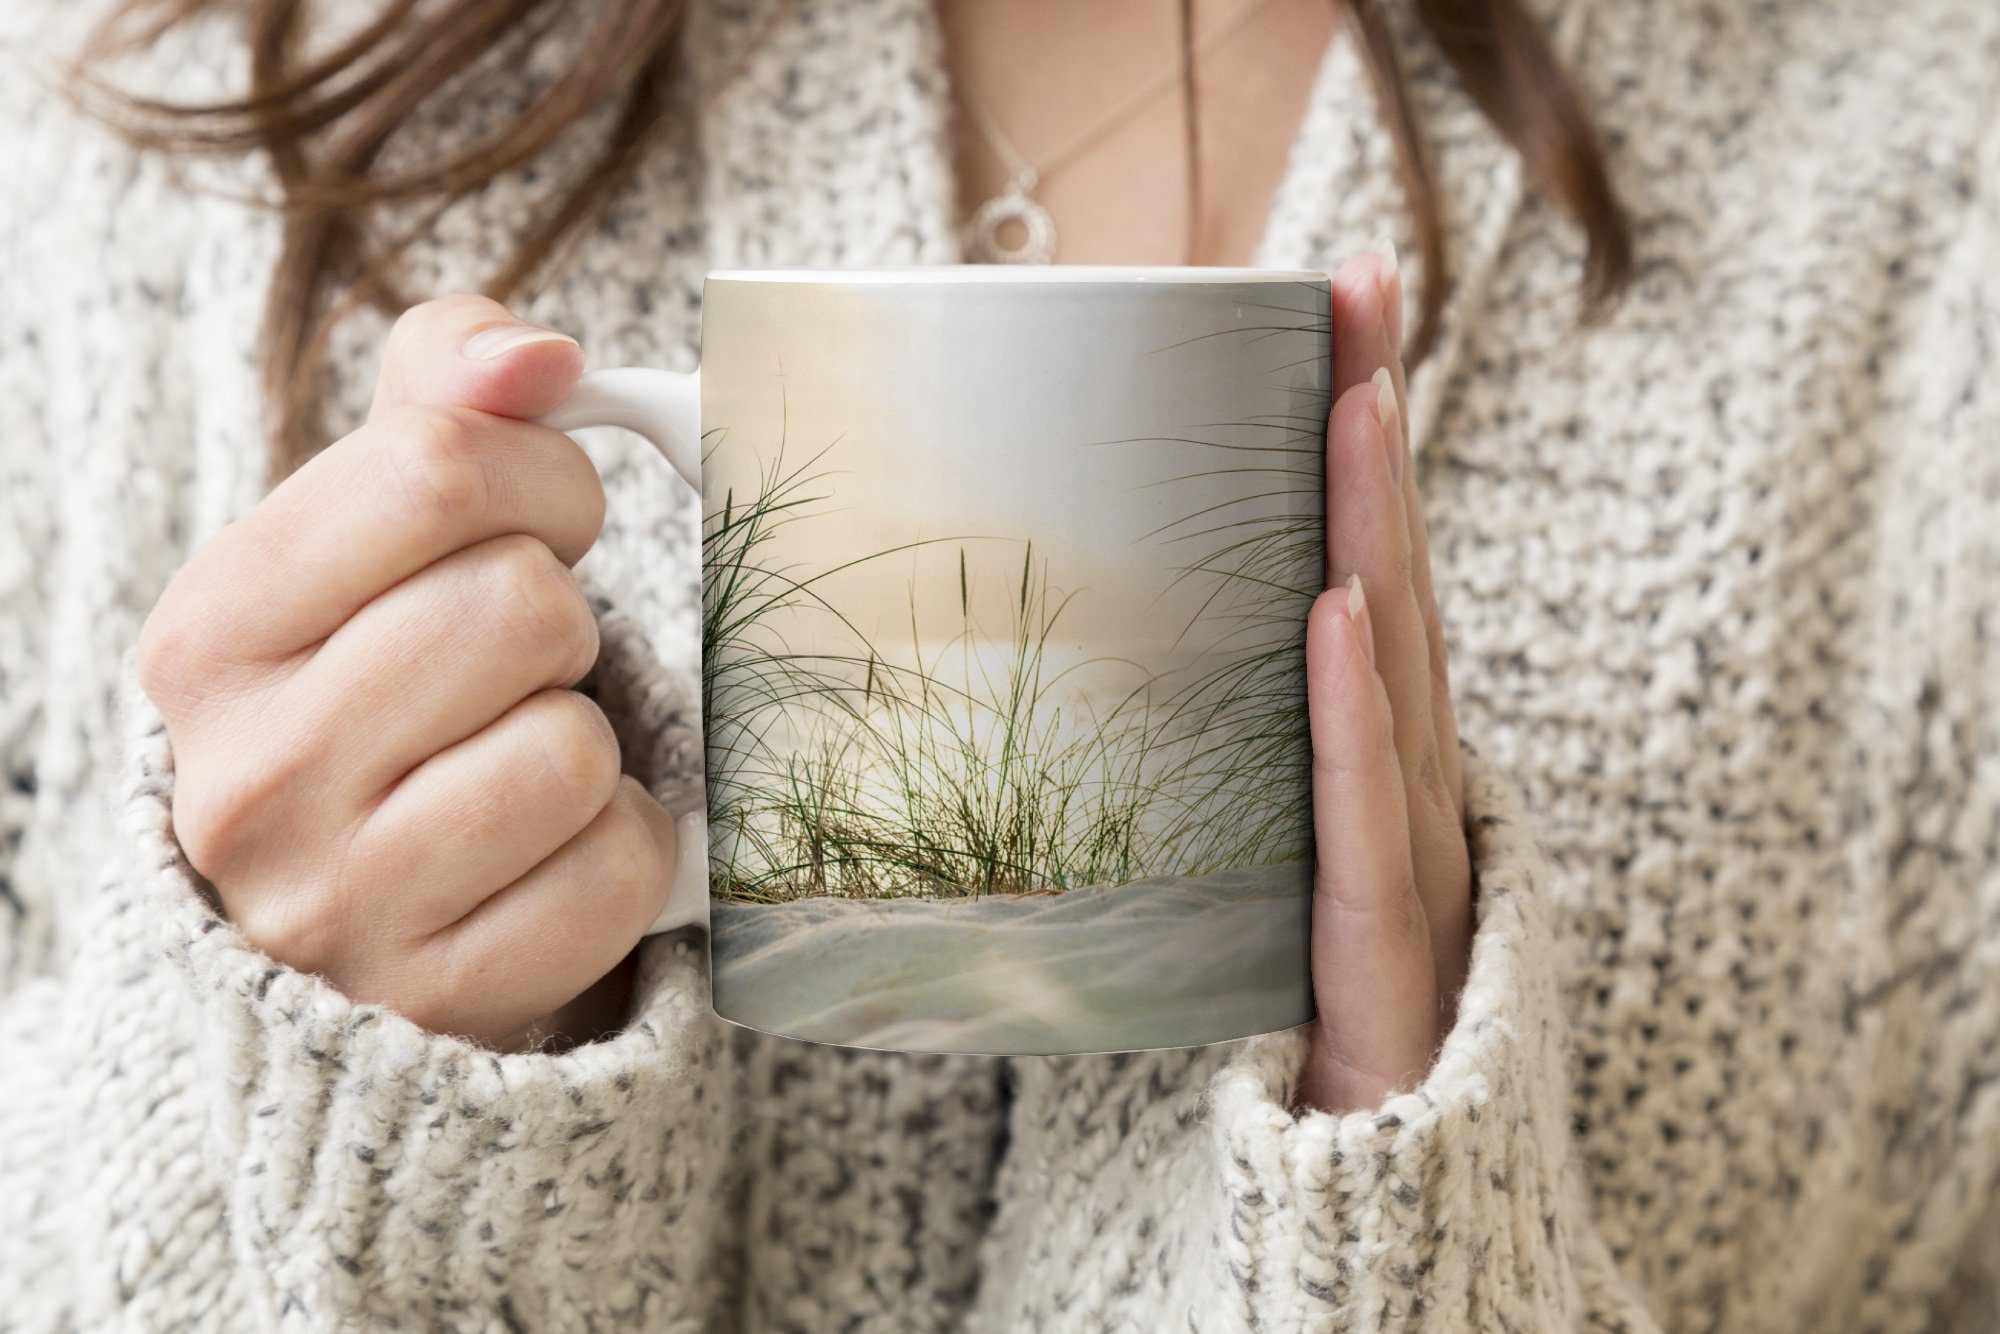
<point>1722,580</point>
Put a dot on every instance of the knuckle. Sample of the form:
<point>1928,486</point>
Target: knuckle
<point>1365,752</point>
<point>1428,782</point>
<point>631,867</point>
<point>176,649</point>
<point>1406,910</point>
<point>1402,912</point>
<point>294,926</point>
<point>1402,561</point>
<point>431,997</point>
<point>219,814</point>
<point>419,996</point>
<point>209,829</point>
<point>415,325</point>
<point>407,333</point>
<point>545,611</point>
<point>1433,797</point>
<point>579,751</point>
<point>165,658</point>
<point>1392,914</point>
<point>435,459</point>
<point>589,486</point>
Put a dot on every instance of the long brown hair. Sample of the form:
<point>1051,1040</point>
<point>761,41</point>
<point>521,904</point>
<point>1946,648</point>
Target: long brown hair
<point>324,122</point>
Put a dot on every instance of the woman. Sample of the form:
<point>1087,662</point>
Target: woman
<point>1711,1046</point>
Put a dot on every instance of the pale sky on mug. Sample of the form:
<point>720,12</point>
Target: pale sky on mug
<point>971,410</point>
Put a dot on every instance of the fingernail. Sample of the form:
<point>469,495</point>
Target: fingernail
<point>491,344</point>
<point>1389,282</point>
<point>1390,410</point>
<point>1388,272</point>
<point>1357,616</point>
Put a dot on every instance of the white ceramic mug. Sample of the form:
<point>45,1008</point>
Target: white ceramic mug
<point>1005,580</point>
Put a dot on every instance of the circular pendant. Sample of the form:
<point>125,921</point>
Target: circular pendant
<point>1037,246</point>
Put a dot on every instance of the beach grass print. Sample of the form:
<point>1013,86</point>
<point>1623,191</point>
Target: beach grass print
<point>974,766</point>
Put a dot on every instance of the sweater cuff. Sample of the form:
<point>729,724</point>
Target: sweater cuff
<point>377,1174</point>
<point>1449,1207</point>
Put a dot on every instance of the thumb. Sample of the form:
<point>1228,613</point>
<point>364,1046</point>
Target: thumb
<point>470,352</point>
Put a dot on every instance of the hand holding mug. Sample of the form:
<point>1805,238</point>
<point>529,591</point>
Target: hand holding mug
<point>381,766</point>
<point>1392,892</point>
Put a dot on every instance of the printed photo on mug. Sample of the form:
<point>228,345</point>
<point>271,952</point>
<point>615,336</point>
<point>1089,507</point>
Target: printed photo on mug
<point>1005,575</point>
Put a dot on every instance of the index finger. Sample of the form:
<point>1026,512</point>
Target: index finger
<point>441,465</point>
<point>408,489</point>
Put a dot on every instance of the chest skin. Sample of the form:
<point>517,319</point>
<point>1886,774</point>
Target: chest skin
<point>1052,75</point>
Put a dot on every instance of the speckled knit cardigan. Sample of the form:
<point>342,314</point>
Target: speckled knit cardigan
<point>1722,578</point>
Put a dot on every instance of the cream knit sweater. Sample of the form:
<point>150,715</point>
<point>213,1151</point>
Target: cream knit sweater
<point>1722,579</point>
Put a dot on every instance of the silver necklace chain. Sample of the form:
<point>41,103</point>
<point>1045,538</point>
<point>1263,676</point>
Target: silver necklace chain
<point>1017,202</point>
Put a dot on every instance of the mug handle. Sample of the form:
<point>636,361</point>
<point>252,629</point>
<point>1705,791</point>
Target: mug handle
<point>665,408</point>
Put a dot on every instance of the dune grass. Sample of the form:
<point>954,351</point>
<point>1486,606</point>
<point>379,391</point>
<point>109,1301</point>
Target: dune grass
<point>931,781</point>
<point>958,773</point>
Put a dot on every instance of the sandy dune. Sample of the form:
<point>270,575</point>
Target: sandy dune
<point>1160,962</point>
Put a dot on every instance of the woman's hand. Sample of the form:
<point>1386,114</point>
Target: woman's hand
<point>1392,891</point>
<point>380,764</point>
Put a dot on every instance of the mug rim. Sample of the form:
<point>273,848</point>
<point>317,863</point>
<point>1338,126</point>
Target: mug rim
<point>1002,274</point>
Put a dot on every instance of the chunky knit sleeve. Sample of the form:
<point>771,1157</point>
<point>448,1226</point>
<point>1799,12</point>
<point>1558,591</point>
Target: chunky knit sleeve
<point>24,517</point>
<point>27,506</point>
<point>1185,1181</point>
<point>192,1135</point>
<point>1453,1207</point>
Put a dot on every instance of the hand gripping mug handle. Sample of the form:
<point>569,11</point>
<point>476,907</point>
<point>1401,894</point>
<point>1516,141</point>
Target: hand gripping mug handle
<point>665,408</point>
